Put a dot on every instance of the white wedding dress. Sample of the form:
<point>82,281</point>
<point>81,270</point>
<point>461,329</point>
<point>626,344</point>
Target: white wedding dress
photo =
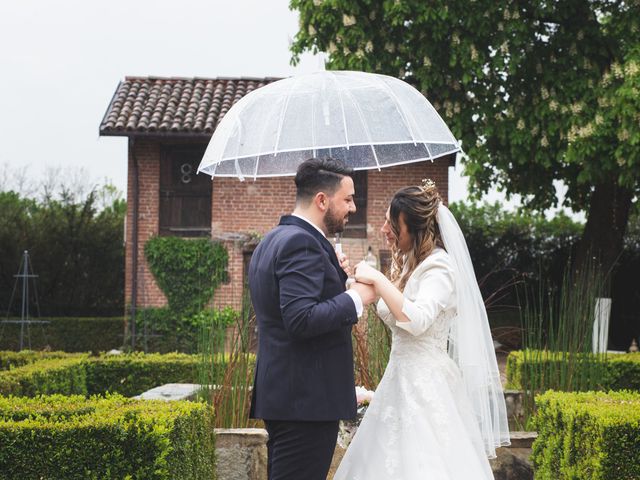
<point>420,424</point>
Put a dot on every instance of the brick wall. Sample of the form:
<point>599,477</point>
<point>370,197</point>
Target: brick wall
<point>147,153</point>
<point>255,208</point>
<point>241,210</point>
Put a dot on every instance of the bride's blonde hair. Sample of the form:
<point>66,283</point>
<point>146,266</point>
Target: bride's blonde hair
<point>418,207</point>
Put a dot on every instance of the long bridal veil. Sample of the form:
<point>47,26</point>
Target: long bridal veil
<point>470,342</point>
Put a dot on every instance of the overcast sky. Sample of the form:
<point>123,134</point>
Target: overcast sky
<point>61,61</point>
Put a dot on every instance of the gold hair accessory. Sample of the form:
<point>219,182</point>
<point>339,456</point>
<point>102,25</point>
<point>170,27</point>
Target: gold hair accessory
<point>427,184</point>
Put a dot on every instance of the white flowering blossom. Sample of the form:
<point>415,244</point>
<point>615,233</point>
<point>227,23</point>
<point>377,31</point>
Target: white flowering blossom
<point>455,39</point>
<point>426,61</point>
<point>599,119</point>
<point>576,108</point>
<point>474,53</point>
<point>348,20</point>
<point>632,68</point>
<point>623,135</point>
<point>520,124</point>
<point>317,3</point>
<point>368,47</point>
<point>617,70</point>
<point>332,48</point>
<point>544,142</point>
<point>544,93</point>
<point>586,131</point>
<point>506,14</point>
<point>553,105</point>
<point>390,47</point>
<point>311,30</point>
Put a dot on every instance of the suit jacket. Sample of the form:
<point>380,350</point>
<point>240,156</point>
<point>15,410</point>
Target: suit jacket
<point>304,369</point>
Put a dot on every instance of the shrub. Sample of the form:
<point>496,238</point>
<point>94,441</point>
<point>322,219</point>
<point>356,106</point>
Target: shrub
<point>135,373</point>
<point>169,331</point>
<point>10,359</point>
<point>592,435</point>
<point>66,376</point>
<point>621,371</point>
<point>105,438</point>
<point>70,334</point>
<point>125,374</point>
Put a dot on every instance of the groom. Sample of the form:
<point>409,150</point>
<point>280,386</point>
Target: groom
<point>304,374</point>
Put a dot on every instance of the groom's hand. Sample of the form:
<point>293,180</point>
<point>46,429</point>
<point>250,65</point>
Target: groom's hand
<point>344,263</point>
<point>367,292</point>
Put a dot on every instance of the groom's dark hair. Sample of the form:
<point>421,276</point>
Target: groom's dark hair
<point>319,175</point>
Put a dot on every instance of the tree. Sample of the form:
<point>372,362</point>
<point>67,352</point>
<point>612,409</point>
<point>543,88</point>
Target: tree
<point>76,248</point>
<point>536,91</point>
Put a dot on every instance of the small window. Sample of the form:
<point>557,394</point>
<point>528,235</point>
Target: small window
<point>185,198</point>
<point>357,225</point>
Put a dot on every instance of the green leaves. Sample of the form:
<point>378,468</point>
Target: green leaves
<point>186,270</point>
<point>544,62</point>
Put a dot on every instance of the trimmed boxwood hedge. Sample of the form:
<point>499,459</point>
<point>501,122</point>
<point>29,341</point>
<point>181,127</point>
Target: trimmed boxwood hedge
<point>10,359</point>
<point>135,373</point>
<point>621,370</point>
<point>587,435</point>
<point>69,334</point>
<point>127,374</point>
<point>66,376</point>
<point>73,437</point>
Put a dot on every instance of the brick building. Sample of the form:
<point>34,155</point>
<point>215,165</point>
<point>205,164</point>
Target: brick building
<point>168,122</point>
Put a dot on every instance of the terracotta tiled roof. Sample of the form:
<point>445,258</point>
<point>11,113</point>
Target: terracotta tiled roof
<point>173,106</point>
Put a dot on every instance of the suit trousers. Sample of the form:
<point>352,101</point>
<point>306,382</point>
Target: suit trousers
<point>300,450</point>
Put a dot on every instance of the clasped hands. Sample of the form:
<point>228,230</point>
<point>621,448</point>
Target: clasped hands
<point>365,279</point>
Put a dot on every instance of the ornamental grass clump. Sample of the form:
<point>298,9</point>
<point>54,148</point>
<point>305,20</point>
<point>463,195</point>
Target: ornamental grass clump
<point>227,363</point>
<point>559,325</point>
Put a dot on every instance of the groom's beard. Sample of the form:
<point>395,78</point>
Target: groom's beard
<point>333,222</point>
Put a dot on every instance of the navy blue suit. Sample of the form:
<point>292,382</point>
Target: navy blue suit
<point>304,371</point>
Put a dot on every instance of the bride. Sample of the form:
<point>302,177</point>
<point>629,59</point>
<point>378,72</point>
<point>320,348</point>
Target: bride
<point>439,410</point>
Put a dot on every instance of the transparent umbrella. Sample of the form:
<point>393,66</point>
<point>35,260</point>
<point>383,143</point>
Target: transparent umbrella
<point>367,120</point>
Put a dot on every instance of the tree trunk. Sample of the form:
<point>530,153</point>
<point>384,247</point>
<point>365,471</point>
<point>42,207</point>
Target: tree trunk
<point>607,220</point>
<point>602,239</point>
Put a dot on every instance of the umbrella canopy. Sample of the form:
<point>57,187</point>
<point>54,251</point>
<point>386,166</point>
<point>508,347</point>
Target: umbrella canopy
<point>367,120</point>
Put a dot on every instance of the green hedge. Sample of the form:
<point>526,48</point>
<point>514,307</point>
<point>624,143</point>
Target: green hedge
<point>168,331</point>
<point>125,374</point>
<point>589,435</point>
<point>67,376</point>
<point>69,334</point>
<point>10,359</point>
<point>621,371</point>
<point>105,438</point>
<point>135,373</point>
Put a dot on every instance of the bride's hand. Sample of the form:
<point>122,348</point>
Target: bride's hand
<point>365,273</point>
